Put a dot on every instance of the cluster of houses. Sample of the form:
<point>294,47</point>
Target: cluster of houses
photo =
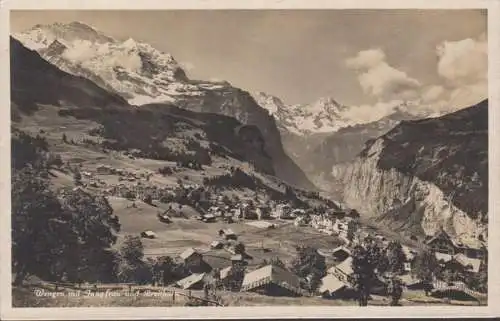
<point>455,256</point>
<point>125,174</point>
<point>270,279</point>
<point>334,223</point>
<point>337,283</point>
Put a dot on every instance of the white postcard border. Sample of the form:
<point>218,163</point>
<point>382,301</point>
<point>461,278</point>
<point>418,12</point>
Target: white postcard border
<point>493,308</point>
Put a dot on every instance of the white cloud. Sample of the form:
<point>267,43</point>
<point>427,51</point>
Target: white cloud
<point>366,59</point>
<point>468,95</point>
<point>462,65</point>
<point>369,113</point>
<point>463,62</point>
<point>381,80</point>
<point>432,93</point>
<point>89,54</point>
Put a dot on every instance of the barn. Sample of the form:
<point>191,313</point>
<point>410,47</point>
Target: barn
<point>272,280</point>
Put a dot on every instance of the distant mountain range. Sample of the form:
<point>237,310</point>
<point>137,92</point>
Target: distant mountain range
<point>144,75</point>
<point>325,133</point>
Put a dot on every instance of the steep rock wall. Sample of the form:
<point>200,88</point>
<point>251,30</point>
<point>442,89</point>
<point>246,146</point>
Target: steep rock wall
<point>401,200</point>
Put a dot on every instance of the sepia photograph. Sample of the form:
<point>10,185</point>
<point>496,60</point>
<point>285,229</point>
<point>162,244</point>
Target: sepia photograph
<point>249,158</point>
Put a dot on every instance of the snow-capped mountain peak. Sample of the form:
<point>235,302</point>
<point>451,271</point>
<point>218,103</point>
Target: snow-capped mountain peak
<point>322,116</point>
<point>272,103</point>
<point>327,115</point>
<point>133,69</point>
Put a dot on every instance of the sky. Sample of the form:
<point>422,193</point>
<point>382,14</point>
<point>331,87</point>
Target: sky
<point>358,57</point>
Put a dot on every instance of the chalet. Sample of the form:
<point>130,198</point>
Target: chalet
<point>225,272</point>
<point>413,283</point>
<point>298,212</point>
<point>443,258</point>
<point>228,234</point>
<point>338,214</point>
<point>342,271</point>
<point>272,280</point>
<point>87,174</point>
<point>216,244</point>
<point>148,234</point>
<point>104,169</point>
<point>224,275</point>
<point>215,210</point>
<point>237,259</point>
<point>340,227</point>
<point>195,282</point>
<point>331,287</point>
<point>164,217</point>
<point>282,211</point>
<point>208,218</point>
<point>442,242</point>
<point>263,212</point>
<point>341,253</point>
<point>236,212</point>
<point>473,248</point>
<point>323,222</point>
<point>409,253</point>
<point>191,257</point>
<point>460,262</point>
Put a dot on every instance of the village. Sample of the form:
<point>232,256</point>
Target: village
<point>227,250</point>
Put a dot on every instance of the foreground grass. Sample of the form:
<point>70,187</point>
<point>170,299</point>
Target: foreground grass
<point>25,297</point>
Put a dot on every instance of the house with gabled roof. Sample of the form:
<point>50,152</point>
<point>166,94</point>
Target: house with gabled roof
<point>463,264</point>
<point>191,256</point>
<point>228,234</point>
<point>341,253</point>
<point>194,282</point>
<point>444,243</point>
<point>342,271</point>
<point>470,264</point>
<point>331,286</point>
<point>272,280</point>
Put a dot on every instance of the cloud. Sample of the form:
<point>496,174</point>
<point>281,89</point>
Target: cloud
<point>366,59</point>
<point>463,62</point>
<point>468,95</point>
<point>462,66</point>
<point>432,93</point>
<point>369,113</point>
<point>87,53</point>
<point>379,79</point>
<point>186,65</point>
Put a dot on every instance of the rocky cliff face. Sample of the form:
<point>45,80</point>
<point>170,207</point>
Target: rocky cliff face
<point>425,175</point>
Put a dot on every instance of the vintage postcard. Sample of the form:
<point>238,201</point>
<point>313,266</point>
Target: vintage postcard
<point>208,159</point>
